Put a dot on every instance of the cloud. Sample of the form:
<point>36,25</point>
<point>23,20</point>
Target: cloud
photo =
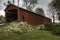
<point>42,4</point>
<point>2,13</point>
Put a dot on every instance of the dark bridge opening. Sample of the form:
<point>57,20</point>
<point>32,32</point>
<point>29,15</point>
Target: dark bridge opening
<point>12,15</point>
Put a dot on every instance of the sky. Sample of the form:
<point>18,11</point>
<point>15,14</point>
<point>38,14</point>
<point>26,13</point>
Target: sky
<point>41,3</point>
<point>44,5</point>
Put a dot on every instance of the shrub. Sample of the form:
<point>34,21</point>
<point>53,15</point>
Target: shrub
<point>54,28</point>
<point>2,19</point>
<point>57,29</point>
<point>49,27</point>
<point>17,27</point>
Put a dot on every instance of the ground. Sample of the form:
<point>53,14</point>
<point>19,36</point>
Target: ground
<point>36,35</point>
<point>25,35</point>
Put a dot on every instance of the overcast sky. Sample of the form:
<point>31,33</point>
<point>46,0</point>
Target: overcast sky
<point>41,3</point>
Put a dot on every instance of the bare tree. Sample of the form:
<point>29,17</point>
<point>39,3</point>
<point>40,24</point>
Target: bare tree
<point>30,4</point>
<point>55,5</point>
<point>53,11</point>
<point>18,2</point>
<point>13,1</point>
<point>0,4</point>
<point>8,3</point>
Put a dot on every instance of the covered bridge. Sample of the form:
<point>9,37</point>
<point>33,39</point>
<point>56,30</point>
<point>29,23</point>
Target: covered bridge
<point>13,13</point>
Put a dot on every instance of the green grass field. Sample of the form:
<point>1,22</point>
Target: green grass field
<point>24,31</point>
<point>36,35</point>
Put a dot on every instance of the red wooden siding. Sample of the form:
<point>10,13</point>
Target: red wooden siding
<point>33,18</point>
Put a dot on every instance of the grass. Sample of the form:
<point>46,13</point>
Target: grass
<point>36,35</point>
<point>5,32</point>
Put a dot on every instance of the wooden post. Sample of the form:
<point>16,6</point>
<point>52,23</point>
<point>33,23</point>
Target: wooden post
<point>13,1</point>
